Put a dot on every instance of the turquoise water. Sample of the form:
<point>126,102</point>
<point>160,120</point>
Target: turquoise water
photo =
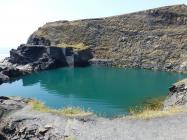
<point>105,91</point>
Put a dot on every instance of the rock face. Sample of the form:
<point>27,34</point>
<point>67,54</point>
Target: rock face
<point>28,58</point>
<point>38,41</point>
<point>101,62</point>
<point>177,95</point>
<point>37,57</point>
<point>19,121</point>
<point>42,57</point>
<point>8,71</point>
<point>3,78</point>
<point>16,128</point>
<point>152,39</point>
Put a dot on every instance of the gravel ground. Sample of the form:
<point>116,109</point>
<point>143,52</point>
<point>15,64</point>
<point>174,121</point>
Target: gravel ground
<point>21,122</point>
<point>94,128</point>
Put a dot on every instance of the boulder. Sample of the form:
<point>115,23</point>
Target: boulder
<point>12,72</point>
<point>177,94</point>
<point>25,54</point>
<point>3,78</point>
<point>33,127</point>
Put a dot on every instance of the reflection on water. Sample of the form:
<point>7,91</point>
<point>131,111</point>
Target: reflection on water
<point>106,91</point>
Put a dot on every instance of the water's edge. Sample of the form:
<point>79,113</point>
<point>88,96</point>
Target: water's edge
<point>99,89</point>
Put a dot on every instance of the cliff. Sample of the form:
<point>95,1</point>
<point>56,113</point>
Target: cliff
<point>153,39</point>
<point>28,58</point>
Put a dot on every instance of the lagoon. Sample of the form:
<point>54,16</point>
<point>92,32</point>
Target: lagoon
<point>106,91</point>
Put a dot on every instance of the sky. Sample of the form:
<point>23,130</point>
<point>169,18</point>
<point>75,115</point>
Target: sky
<point>20,18</point>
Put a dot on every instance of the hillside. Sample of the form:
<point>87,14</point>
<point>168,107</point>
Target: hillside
<point>153,39</point>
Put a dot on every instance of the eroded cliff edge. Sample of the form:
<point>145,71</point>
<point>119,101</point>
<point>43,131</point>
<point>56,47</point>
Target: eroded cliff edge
<point>152,39</point>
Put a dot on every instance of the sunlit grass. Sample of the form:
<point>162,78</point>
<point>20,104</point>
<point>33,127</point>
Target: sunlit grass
<point>148,104</point>
<point>153,108</point>
<point>68,111</point>
<point>79,46</point>
<point>147,113</point>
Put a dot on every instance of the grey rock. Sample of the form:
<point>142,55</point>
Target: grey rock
<point>12,72</point>
<point>16,128</point>
<point>3,78</point>
<point>101,62</point>
<point>48,57</point>
<point>177,95</point>
<point>28,58</point>
<point>36,40</point>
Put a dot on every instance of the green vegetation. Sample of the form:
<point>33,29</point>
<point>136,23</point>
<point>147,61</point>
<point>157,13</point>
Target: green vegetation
<point>148,104</point>
<point>79,46</point>
<point>152,108</point>
<point>69,111</point>
<point>149,114</point>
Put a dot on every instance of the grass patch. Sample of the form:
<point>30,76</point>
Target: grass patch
<point>68,111</point>
<point>39,106</point>
<point>153,108</point>
<point>148,104</point>
<point>150,114</point>
<point>79,46</point>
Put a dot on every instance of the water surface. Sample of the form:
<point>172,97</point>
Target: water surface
<point>106,91</point>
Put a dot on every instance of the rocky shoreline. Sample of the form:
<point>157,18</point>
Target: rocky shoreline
<point>29,58</point>
<point>20,121</point>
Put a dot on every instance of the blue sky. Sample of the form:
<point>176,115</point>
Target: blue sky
<point>19,18</point>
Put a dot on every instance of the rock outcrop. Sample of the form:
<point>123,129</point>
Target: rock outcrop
<point>19,121</point>
<point>31,57</point>
<point>8,71</point>
<point>177,95</point>
<point>152,39</point>
<point>17,127</point>
<point>3,78</point>
<point>41,57</point>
